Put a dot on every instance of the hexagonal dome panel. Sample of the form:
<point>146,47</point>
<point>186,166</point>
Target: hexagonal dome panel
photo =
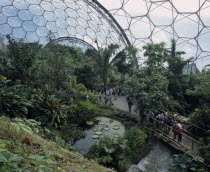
<point>186,26</point>
<point>135,22</point>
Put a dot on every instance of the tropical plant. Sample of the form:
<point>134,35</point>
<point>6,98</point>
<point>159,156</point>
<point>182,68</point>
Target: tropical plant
<point>54,112</point>
<point>184,163</point>
<point>108,151</point>
<point>150,90</point>
<point>82,111</point>
<point>106,57</point>
<point>13,100</point>
<point>22,56</point>
<point>53,66</point>
<point>6,160</point>
<point>202,87</point>
<point>175,62</point>
<point>87,74</point>
<point>205,150</point>
<point>156,54</point>
<point>136,142</point>
<point>178,82</point>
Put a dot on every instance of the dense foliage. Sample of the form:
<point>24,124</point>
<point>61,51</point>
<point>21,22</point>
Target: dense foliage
<point>38,83</point>
<point>184,163</point>
<point>115,152</point>
<point>136,142</point>
<point>51,84</point>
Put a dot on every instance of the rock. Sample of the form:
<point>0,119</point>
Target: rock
<point>134,168</point>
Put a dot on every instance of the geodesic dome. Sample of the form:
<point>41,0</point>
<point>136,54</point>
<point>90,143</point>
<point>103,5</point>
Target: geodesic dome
<point>125,22</point>
<point>32,20</point>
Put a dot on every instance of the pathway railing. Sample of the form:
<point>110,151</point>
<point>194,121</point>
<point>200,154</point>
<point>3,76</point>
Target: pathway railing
<point>187,141</point>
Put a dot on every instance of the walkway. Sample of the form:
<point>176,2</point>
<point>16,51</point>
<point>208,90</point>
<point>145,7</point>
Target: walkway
<point>188,143</point>
<point>122,104</point>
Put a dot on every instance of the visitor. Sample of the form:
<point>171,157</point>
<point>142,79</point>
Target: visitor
<point>120,91</point>
<point>158,119</point>
<point>106,98</point>
<point>110,91</point>
<point>151,116</point>
<point>165,123</point>
<point>105,90</point>
<point>98,91</point>
<point>99,98</point>
<point>117,90</point>
<point>61,90</point>
<point>162,116</point>
<point>179,131</point>
<point>174,129</point>
<point>87,97</point>
<point>130,103</point>
<point>169,123</point>
<point>114,93</point>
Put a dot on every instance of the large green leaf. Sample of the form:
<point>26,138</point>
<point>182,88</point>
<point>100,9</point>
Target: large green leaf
<point>16,158</point>
<point>4,156</point>
<point>40,158</point>
<point>109,150</point>
<point>7,157</point>
<point>20,128</point>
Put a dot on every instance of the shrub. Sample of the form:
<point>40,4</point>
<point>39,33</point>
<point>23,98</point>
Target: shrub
<point>184,163</point>
<point>108,151</point>
<point>136,141</point>
<point>82,111</point>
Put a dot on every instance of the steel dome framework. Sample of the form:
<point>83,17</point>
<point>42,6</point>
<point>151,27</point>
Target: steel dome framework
<point>125,22</point>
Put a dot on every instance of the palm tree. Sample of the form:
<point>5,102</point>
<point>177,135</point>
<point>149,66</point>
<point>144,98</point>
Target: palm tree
<point>106,57</point>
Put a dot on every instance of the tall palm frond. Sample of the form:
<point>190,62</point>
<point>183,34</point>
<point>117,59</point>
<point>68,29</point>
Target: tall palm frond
<point>106,57</point>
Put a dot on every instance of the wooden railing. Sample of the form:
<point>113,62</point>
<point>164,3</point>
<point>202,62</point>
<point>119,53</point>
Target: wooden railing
<point>186,142</point>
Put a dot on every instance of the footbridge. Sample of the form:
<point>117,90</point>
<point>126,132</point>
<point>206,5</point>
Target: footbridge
<point>189,144</point>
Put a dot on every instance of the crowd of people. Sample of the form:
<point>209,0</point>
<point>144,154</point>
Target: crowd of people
<point>111,94</point>
<point>166,122</point>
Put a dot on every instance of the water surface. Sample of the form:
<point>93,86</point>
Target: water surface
<point>83,144</point>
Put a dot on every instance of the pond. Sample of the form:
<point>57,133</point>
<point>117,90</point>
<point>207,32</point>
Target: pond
<point>102,126</point>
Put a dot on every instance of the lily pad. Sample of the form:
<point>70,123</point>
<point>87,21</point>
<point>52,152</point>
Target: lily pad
<point>95,136</point>
<point>116,127</point>
<point>94,129</point>
<point>101,123</point>
<point>89,122</point>
<point>99,133</point>
<point>106,128</point>
<point>116,135</point>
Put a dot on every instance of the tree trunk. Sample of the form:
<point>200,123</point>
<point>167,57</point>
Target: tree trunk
<point>104,78</point>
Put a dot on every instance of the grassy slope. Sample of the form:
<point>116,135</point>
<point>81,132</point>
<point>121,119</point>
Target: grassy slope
<point>64,160</point>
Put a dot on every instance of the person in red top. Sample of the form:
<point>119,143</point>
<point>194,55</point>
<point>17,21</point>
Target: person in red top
<point>179,130</point>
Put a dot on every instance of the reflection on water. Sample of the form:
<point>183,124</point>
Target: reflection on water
<point>159,159</point>
<point>82,144</point>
